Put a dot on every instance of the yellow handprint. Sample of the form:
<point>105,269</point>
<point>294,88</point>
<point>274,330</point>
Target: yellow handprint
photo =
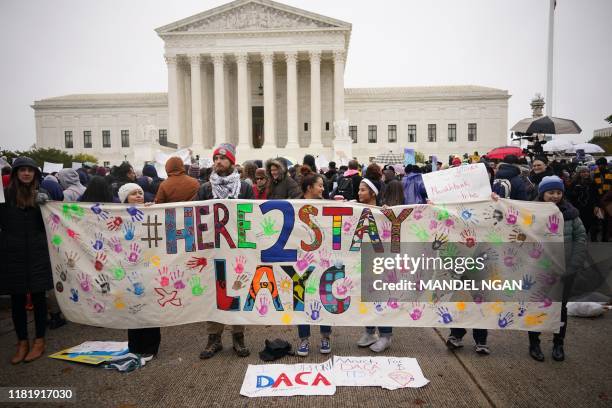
<point>119,303</point>
<point>363,308</point>
<point>460,306</point>
<point>535,320</point>
<point>286,318</point>
<point>527,218</point>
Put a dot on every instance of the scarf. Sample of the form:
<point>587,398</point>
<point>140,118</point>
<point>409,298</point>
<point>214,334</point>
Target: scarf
<point>225,186</point>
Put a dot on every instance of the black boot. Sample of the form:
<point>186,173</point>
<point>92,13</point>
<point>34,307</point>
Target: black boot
<point>239,347</point>
<point>536,352</point>
<point>557,353</point>
<point>56,321</point>
<point>212,347</point>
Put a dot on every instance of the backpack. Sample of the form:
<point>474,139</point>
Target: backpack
<point>502,187</point>
<point>345,188</point>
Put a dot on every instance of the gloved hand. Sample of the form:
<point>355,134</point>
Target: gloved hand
<point>41,198</point>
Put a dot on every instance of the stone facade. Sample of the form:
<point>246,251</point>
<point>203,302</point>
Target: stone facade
<point>270,79</point>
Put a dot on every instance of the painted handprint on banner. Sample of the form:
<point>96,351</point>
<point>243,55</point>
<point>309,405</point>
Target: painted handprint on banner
<point>84,281</point>
<point>344,287</point>
<point>100,261</point>
<point>177,279</point>
<point>267,226</point>
<point>74,295</point>
<point>469,237</point>
<point>536,250</point>
<point>164,277</point>
<point>196,286</point>
<point>444,314</point>
<point>137,287</point>
<point>135,213</point>
<point>305,261</point>
<point>417,311</point>
<point>54,221</point>
<point>239,265</point>
<point>133,256</point>
<point>115,244</point>
<point>114,223</point>
<point>128,231</point>
<point>197,263</point>
<point>324,261</point>
<point>505,320</point>
<point>98,242</point>
<point>315,311</point>
<point>103,283</point>
<point>263,307</point>
<point>240,282</point>
<point>468,215</point>
<point>100,213</point>
<point>553,224</point>
<point>511,215</point>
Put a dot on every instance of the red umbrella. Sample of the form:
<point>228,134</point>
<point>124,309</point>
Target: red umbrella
<point>501,152</point>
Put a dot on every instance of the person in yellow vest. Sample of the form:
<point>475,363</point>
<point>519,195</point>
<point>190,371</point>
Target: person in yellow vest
<point>603,184</point>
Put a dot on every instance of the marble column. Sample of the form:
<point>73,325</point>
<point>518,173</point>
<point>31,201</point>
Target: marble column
<point>173,113</point>
<point>218,63</point>
<point>269,100</point>
<point>243,100</point>
<point>292,100</point>
<point>339,60</point>
<point>315,100</point>
<point>197,143</point>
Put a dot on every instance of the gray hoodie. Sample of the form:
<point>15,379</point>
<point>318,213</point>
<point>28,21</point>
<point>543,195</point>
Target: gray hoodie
<point>69,180</point>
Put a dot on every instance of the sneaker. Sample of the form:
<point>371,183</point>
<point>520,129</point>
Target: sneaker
<point>325,345</point>
<point>381,345</point>
<point>482,349</point>
<point>303,348</point>
<point>367,339</point>
<point>454,343</point>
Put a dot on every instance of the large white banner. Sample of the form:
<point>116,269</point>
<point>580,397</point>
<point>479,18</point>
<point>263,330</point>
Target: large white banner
<point>289,262</point>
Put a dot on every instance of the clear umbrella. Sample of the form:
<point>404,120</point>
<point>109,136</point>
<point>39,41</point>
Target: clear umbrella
<point>557,145</point>
<point>587,147</point>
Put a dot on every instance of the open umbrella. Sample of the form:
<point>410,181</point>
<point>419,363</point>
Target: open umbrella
<point>547,124</point>
<point>389,158</point>
<point>557,145</point>
<point>501,152</point>
<point>587,147</point>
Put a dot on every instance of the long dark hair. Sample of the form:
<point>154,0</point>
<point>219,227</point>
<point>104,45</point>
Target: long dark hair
<point>23,194</point>
<point>393,194</point>
<point>309,180</point>
<point>98,191</point>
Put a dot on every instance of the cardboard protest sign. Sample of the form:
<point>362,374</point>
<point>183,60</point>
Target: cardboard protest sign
<point>285,380</point>
<point>458,184</point>
<point>387,372</point>
<point>49,168</point>
<point>290,262</point>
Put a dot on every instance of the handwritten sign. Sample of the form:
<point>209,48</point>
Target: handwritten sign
<point>387,372</point>
<point>458,184</point>
<point>49,168</point>
<point>284,380</point>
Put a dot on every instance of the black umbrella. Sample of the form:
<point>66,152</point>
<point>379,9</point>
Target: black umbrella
<point>548,125</point>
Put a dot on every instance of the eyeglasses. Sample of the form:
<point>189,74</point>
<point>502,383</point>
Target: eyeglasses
<point>260,178</point>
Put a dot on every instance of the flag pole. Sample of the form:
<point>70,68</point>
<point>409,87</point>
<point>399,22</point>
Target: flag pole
<point>550,62</point>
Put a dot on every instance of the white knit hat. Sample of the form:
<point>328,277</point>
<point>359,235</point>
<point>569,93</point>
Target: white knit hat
<point>126,189</point>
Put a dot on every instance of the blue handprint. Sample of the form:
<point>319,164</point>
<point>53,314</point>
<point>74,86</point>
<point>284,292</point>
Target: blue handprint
<point>506,320</point>
<point>74,295</point>
<point>522,309</point>
<point>528,282</point>
<point>128,231</point>
<point>315,310</point>
<point>102,214</point>
<point>379,307</point>
<point>135,213</point>
<point>445,315</point>
<point>98,243</point>
<point>137,287</point>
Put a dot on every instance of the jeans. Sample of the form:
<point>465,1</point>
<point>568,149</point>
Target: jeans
<point>384,331</point>
<point>480,335</point>
<point>20,316</point>
<point>568,283</point>
<point>304,331</point>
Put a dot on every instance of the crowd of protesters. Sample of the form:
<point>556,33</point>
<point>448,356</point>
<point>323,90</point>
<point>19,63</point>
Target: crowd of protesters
<point>583,195</point>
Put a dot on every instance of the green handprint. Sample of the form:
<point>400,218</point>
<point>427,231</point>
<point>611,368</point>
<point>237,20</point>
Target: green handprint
<point>77,210</point>
<point>268,227</point>
<point>118,273</point>
<point>56,240</point>
<point>442,214</point>
<point>544,263</point>
<point>196,286</point>
<point>494,238</point>
<point>311,289</point>
<point>449,251</point>
<point>420,232</point>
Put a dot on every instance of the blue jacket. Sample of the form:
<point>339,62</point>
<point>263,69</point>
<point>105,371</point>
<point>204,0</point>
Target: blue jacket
<point>518,190</point>
<point>414,189</point>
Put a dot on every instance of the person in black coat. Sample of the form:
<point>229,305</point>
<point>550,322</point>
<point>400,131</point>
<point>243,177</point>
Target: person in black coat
<point>25,267</point>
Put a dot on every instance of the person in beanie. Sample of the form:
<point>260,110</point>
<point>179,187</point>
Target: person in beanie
<point>224,183</point>
<point>551,189</point>
<point>25,266</point>
<point>260,189</point>
<point>178,186</point>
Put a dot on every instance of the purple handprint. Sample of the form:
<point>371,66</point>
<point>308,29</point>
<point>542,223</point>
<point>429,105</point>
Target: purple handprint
<point>548,278</point>
<point>417,311</point>
<point>84,282</point>
<point>74,295</point>
<point>536,250</point>
<point>386,231</point>
<point>418,212</point>
<point>506,320</point>
<point>102,214</point>
<point>393,303</point>
<point>445,315</point>
<point>97,244</point>
<point>324,260</point>
<point>54,221</point>
<point>304,261</point>
<point>135,213</point>
<point>315,310</point>
<point>521,309</point>
<point>553,224</point>
<point>262,309</point>
<point>115,245</point>
<point>134,255</point>
<point>511,216</point>
<point>433,224</point>
<point>177,279</point>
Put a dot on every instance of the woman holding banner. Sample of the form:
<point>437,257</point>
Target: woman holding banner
<point>369,193</point>
<point>312,189</point>
<point>26,267</point>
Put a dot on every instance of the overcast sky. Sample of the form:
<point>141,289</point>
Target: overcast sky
<point>59,47</point>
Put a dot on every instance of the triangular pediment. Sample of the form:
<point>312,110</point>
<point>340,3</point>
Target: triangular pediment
<point>252,15</point>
